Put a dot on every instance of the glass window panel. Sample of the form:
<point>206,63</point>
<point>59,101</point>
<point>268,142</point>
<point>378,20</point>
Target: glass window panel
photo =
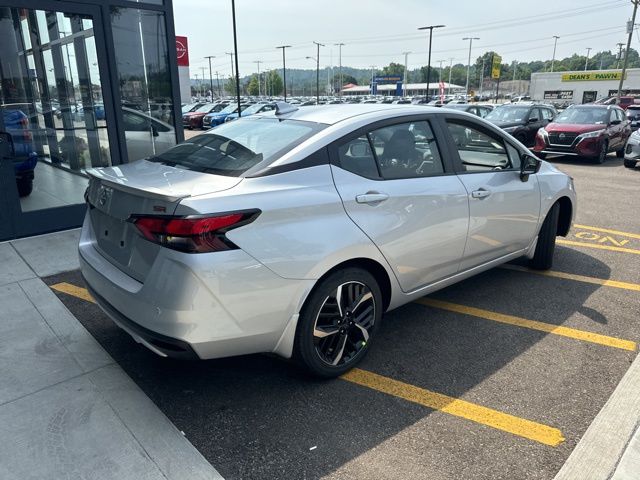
<point>43,31</point>
<point>479,150</point>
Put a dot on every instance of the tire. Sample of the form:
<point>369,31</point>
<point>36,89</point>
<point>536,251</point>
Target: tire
<point>620,153</point>
<point>25,186</point>
<point>324,337</point>
<point>602,157</point>
<point>630,163</point>
<point>543,256</point>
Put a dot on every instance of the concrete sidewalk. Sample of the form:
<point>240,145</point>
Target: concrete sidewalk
<point>67,410</point>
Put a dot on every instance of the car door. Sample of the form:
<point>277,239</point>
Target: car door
<point>618,129</point>
<point>535,123</point>
<point>503,209</point>
<point>395,186</point>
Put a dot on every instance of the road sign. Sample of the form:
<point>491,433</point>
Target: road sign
<point>495,66</point>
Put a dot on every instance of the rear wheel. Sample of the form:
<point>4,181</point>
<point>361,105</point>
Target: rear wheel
<point>338,322</point>
<point>543,256</point>
<point>630,163</point>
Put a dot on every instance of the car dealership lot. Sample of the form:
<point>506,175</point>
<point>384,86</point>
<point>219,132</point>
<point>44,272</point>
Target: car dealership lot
<point>474,381</point>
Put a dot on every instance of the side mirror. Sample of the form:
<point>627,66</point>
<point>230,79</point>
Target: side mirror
<point>528,165</point>
<point>533,120</point>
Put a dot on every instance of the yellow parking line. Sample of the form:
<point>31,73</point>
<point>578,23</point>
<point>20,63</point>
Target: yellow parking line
<point>578,278</point>
<point>606,230</point>
<point>531,324</point>
<point>459,408</point>
<point>70,289</point>
<point>599,247</point>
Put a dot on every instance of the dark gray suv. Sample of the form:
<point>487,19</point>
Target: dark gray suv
<point>522,120</point>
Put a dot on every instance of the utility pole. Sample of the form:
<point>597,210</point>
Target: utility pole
<point>197,90</point>
<point>218,82</point>
<point>340,45</point>
<point>259,89</point>
<point>318,45</point>
<point>515,66</point>
<point>555,42</point>
<point>626,57</point>
<point>587,60</point>
<point>620,45</point>
<point>450,68</point>
<point>430,28</point>
<point>372,67</point>
<point>235,50</point>
<point>231,54</point>
<point>210,74</point>
<point>481,77</point>
<point>284,70</point>
<point>203,77</point>
<point>404,80</point>
<point>471,39</point>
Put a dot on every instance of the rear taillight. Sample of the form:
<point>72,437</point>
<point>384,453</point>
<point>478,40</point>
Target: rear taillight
<point>197,234</point>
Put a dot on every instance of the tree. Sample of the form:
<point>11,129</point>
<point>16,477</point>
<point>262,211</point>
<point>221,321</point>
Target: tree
<point>230,86</point>
<point>274,83</point>
<point>393,69</point>
<point>253,88</point>
<point>348,79</point>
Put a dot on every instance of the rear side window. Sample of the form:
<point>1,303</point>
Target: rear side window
<point>479,150</point>
<point>356,157</point>
<point>547,114</point>
<point>234,147</point>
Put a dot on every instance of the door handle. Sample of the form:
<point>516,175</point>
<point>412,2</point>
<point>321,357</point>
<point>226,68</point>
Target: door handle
<point>482,193</point>
<point>371,197</point>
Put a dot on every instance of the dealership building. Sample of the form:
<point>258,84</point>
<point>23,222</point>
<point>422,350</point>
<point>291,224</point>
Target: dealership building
<point>83,83</point>
<point>583,86</point>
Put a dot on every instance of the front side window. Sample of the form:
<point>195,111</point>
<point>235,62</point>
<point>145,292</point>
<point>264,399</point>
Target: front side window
<point>547,114</point>
<point>479,150</point>
<point>234,147</point>
<point>535,114</point>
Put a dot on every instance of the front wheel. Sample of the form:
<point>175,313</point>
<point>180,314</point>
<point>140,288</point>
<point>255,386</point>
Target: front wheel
<point>543,256</point>
<point>602,156</point>
<point>620,153</point>
<point>338,322</point>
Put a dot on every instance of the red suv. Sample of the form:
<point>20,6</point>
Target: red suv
<point>590,131</point>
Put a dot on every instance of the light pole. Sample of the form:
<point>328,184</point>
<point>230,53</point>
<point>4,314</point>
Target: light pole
<point>372,67</point>
<point>210,74</point>
<point>430,28</point>
<point>284,70</point>
<point>626,57</point>
<point>340,45</point>
<point>404,80</point>
<point>218,82</point>
<point>555,42</point>
<point>235,50</point>
<point>450,67</point>
<point>314,59</point>
<point>259,90</point>
<point>471,39</point>
<point>203,77</point>
<point>230,54</point>
<point>318,45</point>
<point>587,60</point>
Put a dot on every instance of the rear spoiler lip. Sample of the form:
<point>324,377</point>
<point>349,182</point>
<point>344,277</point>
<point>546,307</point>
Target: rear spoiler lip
<point>151,193</point>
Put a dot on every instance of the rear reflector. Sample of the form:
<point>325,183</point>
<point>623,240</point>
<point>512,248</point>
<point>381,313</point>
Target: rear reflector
<point>199,234</point>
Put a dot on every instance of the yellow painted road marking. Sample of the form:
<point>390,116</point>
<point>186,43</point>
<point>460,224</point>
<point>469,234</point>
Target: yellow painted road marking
<point>459,408</point>
<point>606,230</point>
<point>578,278</point>
<point>531,324</point>
<point>69,289</point>
<point>599,247</point>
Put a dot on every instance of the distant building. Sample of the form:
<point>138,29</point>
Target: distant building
<point>412,89</point>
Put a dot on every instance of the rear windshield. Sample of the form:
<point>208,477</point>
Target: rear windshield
<point>584,116</point>
<point>234,147</point>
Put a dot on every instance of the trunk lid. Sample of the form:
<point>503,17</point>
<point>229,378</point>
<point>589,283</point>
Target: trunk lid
<point>140,188</point>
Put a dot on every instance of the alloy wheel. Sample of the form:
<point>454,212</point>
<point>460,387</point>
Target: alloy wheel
<point>344,322</point>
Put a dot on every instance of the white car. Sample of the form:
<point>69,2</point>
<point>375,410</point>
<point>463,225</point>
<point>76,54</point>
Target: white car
<point>293,231</point>
<point>632,150</point>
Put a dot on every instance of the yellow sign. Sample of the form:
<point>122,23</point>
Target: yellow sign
<point>591,76</point>
<point>495,66</point>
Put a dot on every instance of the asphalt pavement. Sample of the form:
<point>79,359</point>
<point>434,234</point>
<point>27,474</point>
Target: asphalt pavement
<point>496,377</point>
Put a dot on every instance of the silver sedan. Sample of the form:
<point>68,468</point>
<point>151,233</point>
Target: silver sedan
<point>293,231</point>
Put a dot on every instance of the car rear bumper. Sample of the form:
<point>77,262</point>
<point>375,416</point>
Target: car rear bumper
<point>195,305</point>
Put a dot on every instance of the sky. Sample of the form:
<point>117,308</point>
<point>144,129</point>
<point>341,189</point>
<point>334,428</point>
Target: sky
<point>377,32</point>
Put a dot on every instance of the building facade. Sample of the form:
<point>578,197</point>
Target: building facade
<point>83,84</point>
<point>583,86</point>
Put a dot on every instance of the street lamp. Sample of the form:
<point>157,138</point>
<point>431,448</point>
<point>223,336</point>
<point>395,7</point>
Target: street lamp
<point>587,60</point>
<point>318,45</point>
<point>430,28</point>
<point>210,74</point>
<point>258,62</point>
<point>340,45</point>
<point>404,81</point>
<point>314,59</point>
<point>471,39</point>
<point>555,42</point>
<point>235,50</point>
<point>284,70</point>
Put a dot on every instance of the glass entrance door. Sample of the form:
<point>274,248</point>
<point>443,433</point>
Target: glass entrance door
<point>53,113</point>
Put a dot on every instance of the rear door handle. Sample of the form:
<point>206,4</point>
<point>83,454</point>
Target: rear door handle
<point>371,197</point>
<point>482,193</point>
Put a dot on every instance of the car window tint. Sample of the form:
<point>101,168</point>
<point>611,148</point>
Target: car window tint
<point>478,149</point>
<point>134,122</point>
<point>514,155</point>
<point>356,157</point>
<point>535,113</point>
<point>547,114</point>
<point>406,150</point>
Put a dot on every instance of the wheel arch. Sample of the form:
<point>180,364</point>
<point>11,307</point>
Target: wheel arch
<point>566,214</point>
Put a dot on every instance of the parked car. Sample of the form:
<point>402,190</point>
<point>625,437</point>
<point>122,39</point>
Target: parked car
<point>590,131</point>
<point>251,110</point>
<point>293,231</point>
<point>478,110</point>
<point>18,146</point>
<point>217,117</point>
<point>633,115</point>
<point>192,107</point>
<point>194,119</point>
<point>522,120</point>
<point>146,135</point>
<point>632,150</point>
<point>623,103</point>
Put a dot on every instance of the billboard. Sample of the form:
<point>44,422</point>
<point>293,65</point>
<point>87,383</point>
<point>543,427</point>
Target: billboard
<point>182,51</point>
<point>558,95</point>
<point>387,79</point>
<point>591,76</point>
<point>495,66</point>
